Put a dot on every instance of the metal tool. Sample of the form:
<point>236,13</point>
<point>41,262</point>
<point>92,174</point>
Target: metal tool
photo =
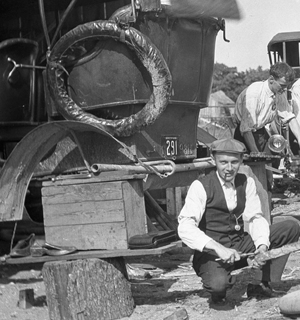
<point>273,253</point>
<point>242,255</point>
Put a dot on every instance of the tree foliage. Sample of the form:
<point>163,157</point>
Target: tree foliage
<point>233,82</point>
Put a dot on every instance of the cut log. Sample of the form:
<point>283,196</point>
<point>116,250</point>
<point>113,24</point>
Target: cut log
<point>88,289</point>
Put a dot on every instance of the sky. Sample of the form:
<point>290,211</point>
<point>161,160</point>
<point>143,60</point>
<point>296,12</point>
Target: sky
<point>249,36</point>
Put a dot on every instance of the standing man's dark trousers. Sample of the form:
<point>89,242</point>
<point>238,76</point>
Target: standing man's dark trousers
<point>261,138</point>
<point>216,275</point>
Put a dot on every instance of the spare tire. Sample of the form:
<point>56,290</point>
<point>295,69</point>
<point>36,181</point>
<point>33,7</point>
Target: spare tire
<point>147,53</point>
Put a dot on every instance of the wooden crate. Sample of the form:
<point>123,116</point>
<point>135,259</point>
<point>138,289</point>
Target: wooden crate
<point>95,213</point>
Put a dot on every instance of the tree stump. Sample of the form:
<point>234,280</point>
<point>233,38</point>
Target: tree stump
<point>88,289</point>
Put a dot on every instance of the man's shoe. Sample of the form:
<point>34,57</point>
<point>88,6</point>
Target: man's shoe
<point>216,299</point>
<point>262,290</point>
<point>49,249</point>
<point>22,248</point>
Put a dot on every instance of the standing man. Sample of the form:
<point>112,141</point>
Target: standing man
<point>211,222</point>
<point>263,103</point>
<point>259,104</point>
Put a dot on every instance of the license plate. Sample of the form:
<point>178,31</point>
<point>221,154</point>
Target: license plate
<point>170,145</point>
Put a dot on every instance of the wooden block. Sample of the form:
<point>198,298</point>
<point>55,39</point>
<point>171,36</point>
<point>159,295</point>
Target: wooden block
<point>99,254</point>
<point>94,214</point>
<point>26,298</point>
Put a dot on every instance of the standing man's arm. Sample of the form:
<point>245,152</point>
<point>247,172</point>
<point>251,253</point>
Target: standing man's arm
<point>246,114</point>
<point>286,114</point>
<point>250,142</point>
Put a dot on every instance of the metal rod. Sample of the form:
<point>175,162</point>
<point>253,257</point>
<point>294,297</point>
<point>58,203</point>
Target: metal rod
<point>242,255</point>
<point>133,11</point>
<point>284,51</point>
<point>44,23</point>
<point>64,17</point>
<point>196,165</point>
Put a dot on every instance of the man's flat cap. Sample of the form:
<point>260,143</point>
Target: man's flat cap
<point>228,145</point>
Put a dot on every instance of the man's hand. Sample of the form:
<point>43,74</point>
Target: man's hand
<point>254,261</point>
<point>227,255</point>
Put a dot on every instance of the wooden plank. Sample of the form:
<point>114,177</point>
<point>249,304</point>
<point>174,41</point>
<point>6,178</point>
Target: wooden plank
<point>82,192</point>
<point>154,210</point>
<point>170,201</point>
<point>82,213</point>
<point>89,236</point>
<point>174,201</point>
<point>178,200</point>
<point>153,214</point>
<point>97,254</point>
<point>134,206</point>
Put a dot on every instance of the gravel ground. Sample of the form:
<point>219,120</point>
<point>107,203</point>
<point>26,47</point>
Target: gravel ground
<point>161,286</point>
<point>164,285</point>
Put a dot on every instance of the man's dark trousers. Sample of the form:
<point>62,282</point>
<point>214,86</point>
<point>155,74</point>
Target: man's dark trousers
<point>216,275</point>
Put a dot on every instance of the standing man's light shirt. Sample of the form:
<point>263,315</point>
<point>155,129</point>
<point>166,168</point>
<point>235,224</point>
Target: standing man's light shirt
<point>257,106</point>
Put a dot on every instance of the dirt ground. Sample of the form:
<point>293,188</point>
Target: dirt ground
<point>166,284</point>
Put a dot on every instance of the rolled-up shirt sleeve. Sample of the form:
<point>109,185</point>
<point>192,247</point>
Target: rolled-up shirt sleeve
<point>190,217</point>
<point>259,229</point>
<point>248,120</point>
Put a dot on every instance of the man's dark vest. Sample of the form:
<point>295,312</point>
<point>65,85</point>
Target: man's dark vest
<point>217,222</point>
